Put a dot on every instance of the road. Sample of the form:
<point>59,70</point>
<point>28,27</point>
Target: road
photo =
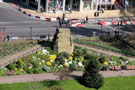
<point>17,24</point>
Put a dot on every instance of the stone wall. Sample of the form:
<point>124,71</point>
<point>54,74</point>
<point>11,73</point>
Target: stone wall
<point>63,41</point>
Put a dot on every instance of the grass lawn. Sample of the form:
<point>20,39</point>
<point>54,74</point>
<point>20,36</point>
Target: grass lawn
<point>111,83</point>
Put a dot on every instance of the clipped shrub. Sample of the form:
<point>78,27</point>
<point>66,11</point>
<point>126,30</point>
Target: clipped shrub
<point>91,77</point>
<point>86,62</point>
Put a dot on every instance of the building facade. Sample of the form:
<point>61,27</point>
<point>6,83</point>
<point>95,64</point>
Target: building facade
<point>79,5</point>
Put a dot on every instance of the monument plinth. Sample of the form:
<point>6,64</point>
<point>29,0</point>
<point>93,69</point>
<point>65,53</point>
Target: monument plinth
<point>63,41</point>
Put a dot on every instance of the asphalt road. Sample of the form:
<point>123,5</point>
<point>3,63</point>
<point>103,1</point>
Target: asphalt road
<point>17,24</point>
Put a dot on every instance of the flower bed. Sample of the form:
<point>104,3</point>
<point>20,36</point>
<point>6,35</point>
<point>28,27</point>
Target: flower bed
<point>45,60</point>
<point>48,60</point>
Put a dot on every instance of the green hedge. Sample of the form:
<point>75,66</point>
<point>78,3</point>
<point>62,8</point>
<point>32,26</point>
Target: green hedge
<point>105,47</point>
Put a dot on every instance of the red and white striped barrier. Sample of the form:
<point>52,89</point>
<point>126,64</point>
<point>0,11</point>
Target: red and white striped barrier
<point>116,23</point>
<point>74,23</point>
<point>37,17</point>
<point>33,16</point>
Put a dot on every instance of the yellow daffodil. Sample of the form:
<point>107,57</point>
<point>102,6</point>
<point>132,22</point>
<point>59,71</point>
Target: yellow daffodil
<point>39,52</point>
<point>52,58</point>
<point>65,64</point>
<point>81,58</point>
<point>21,70</point>
<point>72,54</point>
<point>20,61</point>
<point>83,66</point>
<point>70,58</point>
<point>48,63</point>
<point>105,63</point>
<point>16,69</point>
<point>40,63</point>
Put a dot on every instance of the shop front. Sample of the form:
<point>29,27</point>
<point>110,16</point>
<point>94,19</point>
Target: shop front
<point>106,4</point>
<point>63,5</point>
<point>87,5</point>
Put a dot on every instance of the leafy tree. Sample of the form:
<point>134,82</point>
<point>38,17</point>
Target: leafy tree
<point>91,77</point>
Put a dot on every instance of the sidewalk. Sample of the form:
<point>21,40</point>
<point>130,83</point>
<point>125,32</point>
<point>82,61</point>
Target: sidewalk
<point>52,76</point>
<point>74,15</point>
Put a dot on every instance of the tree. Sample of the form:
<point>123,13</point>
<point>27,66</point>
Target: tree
<point>91,77</point>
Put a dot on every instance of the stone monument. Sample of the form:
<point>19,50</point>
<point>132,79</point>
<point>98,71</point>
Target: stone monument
<point>63,41</point>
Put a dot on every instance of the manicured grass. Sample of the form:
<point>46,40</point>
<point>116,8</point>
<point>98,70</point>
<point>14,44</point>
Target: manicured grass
<point>100,45</point>
<point>111,83</point>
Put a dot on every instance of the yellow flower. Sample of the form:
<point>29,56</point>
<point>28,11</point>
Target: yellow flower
<point>52,57</point>
<point>21,70</point>
<point>48,63</point>
<point>20,61</point>
<point>83,66</point>
<point>72,54</point>
<point>16,69</point>
<point>105,63</point>
<point>65,64</point>
<point>40,63</point>
<point>81,58</point>
<point>70,58</point>
<point>39,52</point>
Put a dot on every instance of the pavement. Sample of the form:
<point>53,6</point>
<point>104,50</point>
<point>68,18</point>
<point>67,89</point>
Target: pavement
<point>73,15</point>
<point>53,76</point>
